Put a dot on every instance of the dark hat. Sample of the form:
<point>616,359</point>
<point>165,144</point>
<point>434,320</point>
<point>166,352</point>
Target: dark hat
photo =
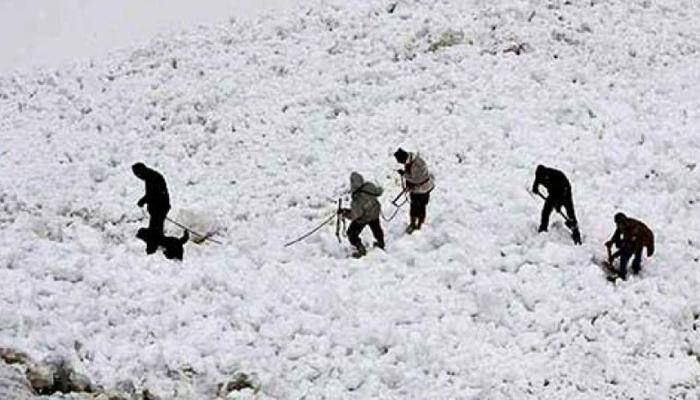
<point>401,155</point>
<point>620,217</point>
<point>541,171</point>
<point>139,168</point>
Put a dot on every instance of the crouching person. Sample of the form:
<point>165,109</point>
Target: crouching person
<point>364,210</point>
<point>630,237</point>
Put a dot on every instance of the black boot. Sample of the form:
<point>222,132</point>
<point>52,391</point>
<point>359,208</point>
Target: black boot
<point>576,236</point>
<point>412,226</point>
<point>360,252</point>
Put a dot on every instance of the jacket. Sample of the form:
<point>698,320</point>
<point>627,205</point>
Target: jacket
<point>418,178</point>
<point>632,235</point>
<point>364,206</point>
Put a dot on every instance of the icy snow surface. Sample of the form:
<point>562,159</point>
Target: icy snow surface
<point>257,125</point>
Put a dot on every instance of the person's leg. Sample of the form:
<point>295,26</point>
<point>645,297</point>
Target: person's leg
<point>637,261</point>
<point>378,233</point>
<point>546,211</point>
<point>571,223</point>
<point>624,260</point>
<point>570,212</point>
<point>157,220</point>
<point>354,231</point>
<point>422,200</point>
<point>155,230</point>
<point>151,244</point>
<point>414,209</point>
<point>414,213</point>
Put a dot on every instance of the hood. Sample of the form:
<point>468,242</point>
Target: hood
<point>356,180</point>
<point>358,184</point>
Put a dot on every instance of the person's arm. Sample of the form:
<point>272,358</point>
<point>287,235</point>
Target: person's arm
<point>350,213</point>
<point>615,255</point>
<point>536,185</point>
<point>614,240</point>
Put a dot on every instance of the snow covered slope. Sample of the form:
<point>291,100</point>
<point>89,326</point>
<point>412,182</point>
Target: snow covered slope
<point>257,125</point>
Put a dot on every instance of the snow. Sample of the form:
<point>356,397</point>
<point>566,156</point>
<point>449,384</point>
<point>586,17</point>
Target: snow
<point>36,33</point>
<point>257,124</point>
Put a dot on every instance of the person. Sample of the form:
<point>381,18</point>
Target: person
<point>173,247</point>
<point>158,202</point>
<point>558,196</point>
<point>419,184</point>
<point>630,237</point>
<point>364,210</point>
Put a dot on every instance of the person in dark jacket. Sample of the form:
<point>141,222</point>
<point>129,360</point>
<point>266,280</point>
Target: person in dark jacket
<point>364,210</point>
<point>631,237</point>
<point>419,184</point>
<point>157,201</point>
<point>558,196</point>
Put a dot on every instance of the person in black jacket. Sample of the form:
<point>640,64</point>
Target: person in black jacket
<point>558,196</point>
<point>158,202</point>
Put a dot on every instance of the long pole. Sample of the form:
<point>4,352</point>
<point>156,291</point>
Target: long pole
<point>555,209</point>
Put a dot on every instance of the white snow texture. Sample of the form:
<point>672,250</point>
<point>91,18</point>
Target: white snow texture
<point>256,126</point>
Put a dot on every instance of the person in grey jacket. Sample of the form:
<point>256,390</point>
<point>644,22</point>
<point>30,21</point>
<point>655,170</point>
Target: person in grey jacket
<point>364,210</point>
<point>419,184</point>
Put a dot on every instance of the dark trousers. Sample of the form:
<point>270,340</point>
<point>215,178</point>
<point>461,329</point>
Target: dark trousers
<point>155,227</point>
<point>418,203</point>
<point>356,228</point>
<point>549,206</point>
<point>625,256</point>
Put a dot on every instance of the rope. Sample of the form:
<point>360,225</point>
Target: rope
<point>396,209</point>
<point>204,237</point>
<point>324,223</point>
<point>398,206</point>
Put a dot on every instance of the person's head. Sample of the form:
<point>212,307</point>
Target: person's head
<point>139,169</point>
<point>401,155</point>
<point>356,180</point>
<point>541,169</point>
<point>620,219</point>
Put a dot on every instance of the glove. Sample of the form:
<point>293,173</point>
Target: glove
<point>401,172</point>
<point>608,244</point>
<point>141,203</point>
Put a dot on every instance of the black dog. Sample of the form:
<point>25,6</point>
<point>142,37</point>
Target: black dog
<point>172,246</point>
